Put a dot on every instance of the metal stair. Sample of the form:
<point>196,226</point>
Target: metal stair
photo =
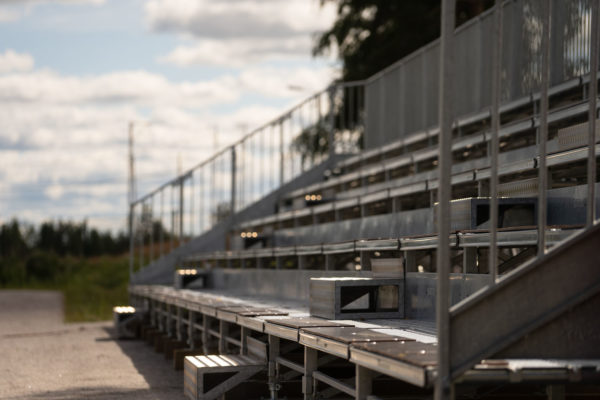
<point>209,377</point>
<point>547,308</point>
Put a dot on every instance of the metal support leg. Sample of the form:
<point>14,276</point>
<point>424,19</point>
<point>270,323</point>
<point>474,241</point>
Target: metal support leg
<point>170,319</point>
<point>443,381</point>
<point>470,260</point>
<point>301,262</point>
<point>273,375</point>
<point>152,311</point>
<point>224,332</point>
<point>190,335</point>
<point>279,262</point>
<point>364,382</point>
<point>365,260</point>
<point>244,333</point>
<point>310,366</point>
<point>205,335</point>
<point>593,100</point>
<point>543,132</point>
<point>410,258</point>
<point>179,324</point>
<point>329,262</point>
<point>159,317</point>
<point>555,392</point>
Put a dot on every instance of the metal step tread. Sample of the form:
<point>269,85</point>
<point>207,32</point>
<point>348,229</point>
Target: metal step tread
<point>224,362</point>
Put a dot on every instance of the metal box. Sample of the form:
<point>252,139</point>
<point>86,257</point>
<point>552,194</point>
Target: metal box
<point>127,321</point>
<point>190,278</point>
<point>356,298</point>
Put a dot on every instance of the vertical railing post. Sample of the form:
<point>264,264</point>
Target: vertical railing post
<point>242,155</point>
<point>319,119</point>
<point>192,217</point>
<point>593,98</point>
<point>161,236</point>
<point>202,201</point>
<point>131,239</point>
<point>543,132</point>
<point>141,231</point>
<point>495,122</point>
<point>213,192</point>
<point>181,204</point>
<point>281,154</point>
<point>331,131</point>
<point>233,179</point>
<point>443,381</point>
<point>171,220</point>
<point>151,258</point>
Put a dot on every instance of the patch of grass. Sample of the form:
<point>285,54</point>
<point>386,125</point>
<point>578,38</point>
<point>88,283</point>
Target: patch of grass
<point>91,286</point>
<point>95,288</point>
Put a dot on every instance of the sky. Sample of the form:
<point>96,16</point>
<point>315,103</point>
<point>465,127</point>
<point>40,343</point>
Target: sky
<point>75,73</point>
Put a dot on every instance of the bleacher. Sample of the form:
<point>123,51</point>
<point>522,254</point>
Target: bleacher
<point>326,286</point>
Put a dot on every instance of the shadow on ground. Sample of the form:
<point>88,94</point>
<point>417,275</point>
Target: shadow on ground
<point>156,370</point>
<point>164,382</point>
<point>100,393</point>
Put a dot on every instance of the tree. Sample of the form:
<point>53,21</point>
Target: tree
<point>373,34</point>
<point>12,243</point>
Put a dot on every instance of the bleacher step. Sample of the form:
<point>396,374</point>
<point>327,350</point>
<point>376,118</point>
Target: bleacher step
<point>210,376</point>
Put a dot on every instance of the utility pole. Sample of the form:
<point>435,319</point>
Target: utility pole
<point>181,205</point>
<point>131,195</point>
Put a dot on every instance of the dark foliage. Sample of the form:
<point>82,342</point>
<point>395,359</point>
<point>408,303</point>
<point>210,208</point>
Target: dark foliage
<point>373,34</point>
<point>29,254</point>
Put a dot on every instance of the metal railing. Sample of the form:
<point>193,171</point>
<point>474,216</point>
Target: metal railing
<point>328,122</point>
<point>403,98</point>
<point>558,41</point>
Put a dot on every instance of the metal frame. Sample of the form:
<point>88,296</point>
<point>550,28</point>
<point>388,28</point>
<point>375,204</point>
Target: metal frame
<point>320,349</point>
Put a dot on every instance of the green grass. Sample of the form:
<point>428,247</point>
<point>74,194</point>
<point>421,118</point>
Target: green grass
<point>91,286</point>
<point>98,285</point>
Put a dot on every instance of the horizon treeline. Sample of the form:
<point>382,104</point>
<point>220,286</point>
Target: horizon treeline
<point>53,252</point>
<point>62,238</point>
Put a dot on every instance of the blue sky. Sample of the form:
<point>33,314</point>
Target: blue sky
<point>73,73</point>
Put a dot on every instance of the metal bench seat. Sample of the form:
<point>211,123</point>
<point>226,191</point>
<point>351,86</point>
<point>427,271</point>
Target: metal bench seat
<point>337,340</point>
<point>289,328</point>
<point>410,361</point>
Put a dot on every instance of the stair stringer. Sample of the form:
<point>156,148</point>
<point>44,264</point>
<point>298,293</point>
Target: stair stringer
<point>546,308</point>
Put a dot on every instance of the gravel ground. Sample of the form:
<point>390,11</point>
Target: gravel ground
<point>43,358</point>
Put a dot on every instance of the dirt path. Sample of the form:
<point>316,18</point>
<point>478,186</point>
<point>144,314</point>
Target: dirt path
<point>43,358</point>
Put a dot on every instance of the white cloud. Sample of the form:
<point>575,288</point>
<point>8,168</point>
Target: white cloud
<point>239,18</point>
<point>7,15</point>
<point>238,52</point>
<point>280,82</point>
<point>14,10</point>
<point>234,33</point>
<point>131,87</point>
<point>11,61</point>
<point>63,139</point>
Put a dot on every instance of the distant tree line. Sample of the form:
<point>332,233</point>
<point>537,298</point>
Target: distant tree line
<point>61,238</point>
<point>30,254</point>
